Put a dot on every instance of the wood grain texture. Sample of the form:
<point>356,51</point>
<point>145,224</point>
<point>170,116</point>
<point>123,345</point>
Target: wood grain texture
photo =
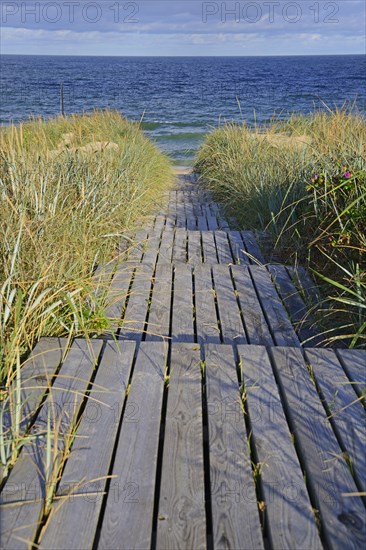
<point>342,518</point>
<point>159,316</point>
<point>172,206</point>
<point>36,376</point>
<point>255,322</point>
<point>103,274</point>
<point>159,223</point>
<point>191,219</point>
<point>194,247</point>
<point>152,248</point>
<point>84,479</point>
<point>136,311</point>
<point>128,516</point>
<point>279,323</point>
<point>206,317</point>
<point>181,214</point>
<point>214,207</point>
<point>166,246</point>
<point>206,207</point>
<point>181,513</point>
<point>22,498</point>
<point>235,515</point>
<point>136,250</point>
<point>289,518</point>
<point>294,304</point>
<point>170,222</point>
<point>238,248</point>
<point>209,248</point>
<point>223,248</point>
<point>180,246</point>
<point>202,223</point>
<point>346,412</point>
<point>117,294</point>
<point>252,247</point>
<point>182,315</point>
<point>230,321</point>
<point>197,209</point>
<point>212,222</point>
<point>354,363</point>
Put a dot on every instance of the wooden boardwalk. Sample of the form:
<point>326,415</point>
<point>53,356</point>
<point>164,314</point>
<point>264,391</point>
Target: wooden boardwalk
<point>208,419</point>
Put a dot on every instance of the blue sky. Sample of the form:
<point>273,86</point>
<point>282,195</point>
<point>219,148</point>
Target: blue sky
<point>192,27</point>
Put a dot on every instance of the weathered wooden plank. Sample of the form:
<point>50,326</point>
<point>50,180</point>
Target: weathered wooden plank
<point>212,222</point>
<point>166,246</point>
<point>237,248</point>
<point>289,519</point>
<point>280,325</point>
<point>233,495</point>
<point>128,517</point>
<point>214,208</point>
<point>209,247</point>
<point>252,246</point>
<point>170,222</point>
<point>180,196</point>
<point>354,363</point>
<point>181,214</point>
<point>223,224</point>
<point>75,514</point>
<point>254,319</point>
<point>206,209</point>
<point>230,321</point>
<point>181,222</point>
<point>181,512</point>
<point>202,223</point>
<point>182,314</point>
<point>159,316</point>
<point>191,220</point>
<point>172,206</point>
<point>206,317</point>
<point>136,250</point>
<point>31,480</point>
<point>295,305</point>
<point>223,248</point>
<point>305,284</point>
<point>36,376</point>
<point>194,247</point>
<point>133,323</point>
<point>152,248</point>
<point>342,517</point>
<point>180,245</point>
<point>197,209</point>
<point>102,276</point>
<point>159,223</point>
<point>117,295</point>
<point>347,415</point>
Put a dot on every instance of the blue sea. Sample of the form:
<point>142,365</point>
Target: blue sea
<point>180,99</point>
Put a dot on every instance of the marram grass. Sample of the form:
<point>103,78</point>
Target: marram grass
<point>70,189</point>
<point>303,181</point>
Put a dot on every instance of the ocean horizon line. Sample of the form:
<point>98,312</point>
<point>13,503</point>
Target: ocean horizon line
<point>185,56</point>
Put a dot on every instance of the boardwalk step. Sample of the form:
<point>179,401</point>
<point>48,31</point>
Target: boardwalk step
<point>237,304</point>
<point>176,244</point>
<point>181,444</point>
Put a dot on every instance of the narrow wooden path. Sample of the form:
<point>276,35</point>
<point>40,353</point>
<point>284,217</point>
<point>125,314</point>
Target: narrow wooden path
<point>208,418</point>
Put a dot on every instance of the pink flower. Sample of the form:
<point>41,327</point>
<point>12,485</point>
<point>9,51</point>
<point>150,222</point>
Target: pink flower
<point>347,175</point>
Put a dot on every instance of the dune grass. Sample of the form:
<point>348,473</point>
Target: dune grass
<point>70,189</point>
<point>303,181</point>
